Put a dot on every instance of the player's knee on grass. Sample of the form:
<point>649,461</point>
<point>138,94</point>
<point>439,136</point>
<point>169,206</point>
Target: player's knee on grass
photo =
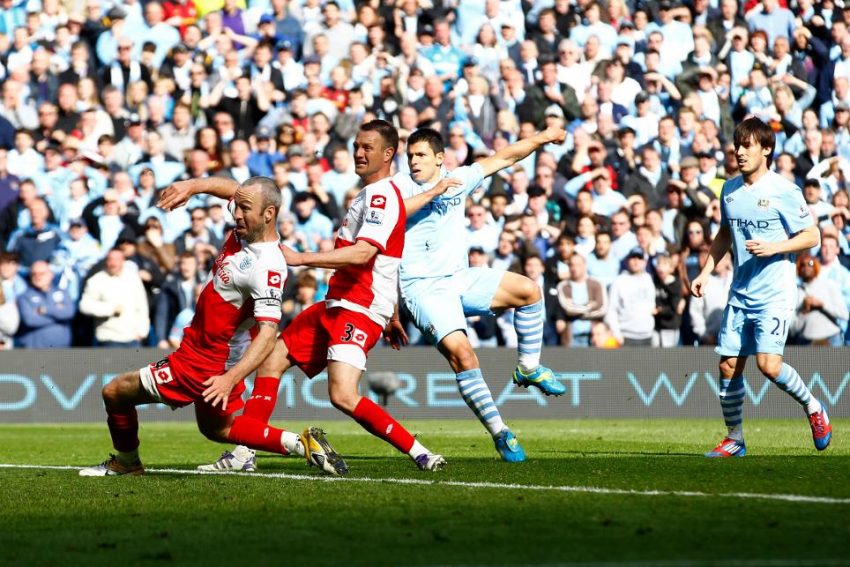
<point>218,432</point>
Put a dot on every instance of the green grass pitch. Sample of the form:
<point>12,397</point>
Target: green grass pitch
<point>659,502</point>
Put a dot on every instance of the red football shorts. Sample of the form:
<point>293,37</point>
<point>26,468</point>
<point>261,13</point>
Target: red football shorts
<point>178,384</point>
<point>318,335</point>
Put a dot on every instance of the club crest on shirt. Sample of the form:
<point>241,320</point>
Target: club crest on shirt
<point>375,217</point>
<point>763,204</point>
<point>245,263</point>
<point>275,279</point>
<point>378,202</point>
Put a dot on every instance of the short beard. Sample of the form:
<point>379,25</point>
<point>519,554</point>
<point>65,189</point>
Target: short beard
<point>255,234</point>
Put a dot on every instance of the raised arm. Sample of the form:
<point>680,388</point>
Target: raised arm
<point>178,193</point>
<point>416,202</point>
<point>356,255</point>
<point>509,155</point>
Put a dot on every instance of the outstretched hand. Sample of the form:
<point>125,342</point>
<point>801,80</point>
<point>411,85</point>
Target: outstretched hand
<point>175,195</point>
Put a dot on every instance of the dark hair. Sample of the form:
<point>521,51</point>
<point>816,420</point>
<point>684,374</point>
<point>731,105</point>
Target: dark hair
<point>388,132</point>
<point>754,130</point>
<point>429,135</point>
<point>811,182</point>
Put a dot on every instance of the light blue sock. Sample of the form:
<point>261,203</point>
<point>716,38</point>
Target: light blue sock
<point>477,396</point>
<point>732,403</point>
<point>528,322</point>
<point>789,381</point>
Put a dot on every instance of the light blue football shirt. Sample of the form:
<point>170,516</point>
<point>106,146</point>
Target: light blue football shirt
<point>770,210</point>
<point>435,240</point>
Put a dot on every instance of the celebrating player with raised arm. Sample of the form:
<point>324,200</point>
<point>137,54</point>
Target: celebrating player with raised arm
<point>765,221</point>
<point>360,302</point>
<point>243,292</point>
<point>440,290</point>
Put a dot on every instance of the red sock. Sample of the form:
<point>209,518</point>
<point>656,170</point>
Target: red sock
<point>381,424</point>
<point>260,404</point>
<point>124,429</point>
<point>256,435</point>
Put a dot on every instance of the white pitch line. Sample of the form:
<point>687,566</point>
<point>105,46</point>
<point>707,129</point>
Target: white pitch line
<point>725,562</point>
<point>459,484</point>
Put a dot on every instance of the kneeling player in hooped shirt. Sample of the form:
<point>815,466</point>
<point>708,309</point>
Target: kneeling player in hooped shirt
<point>242,297</point>
<point>338,333</point>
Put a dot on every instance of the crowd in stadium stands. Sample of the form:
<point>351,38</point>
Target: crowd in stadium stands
<point>105,103</point>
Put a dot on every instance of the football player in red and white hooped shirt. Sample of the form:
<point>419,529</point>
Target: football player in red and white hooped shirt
<point>241,300</point>
<point>338,333</point>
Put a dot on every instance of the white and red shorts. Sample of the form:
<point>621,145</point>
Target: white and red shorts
<point>318,335</point>
<point>174,382</point>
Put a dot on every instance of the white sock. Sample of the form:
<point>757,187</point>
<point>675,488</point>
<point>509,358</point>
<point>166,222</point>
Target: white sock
<point>813,406</point>
<point>292,443</point>
<point>736,433</point>
<point>417,449</point>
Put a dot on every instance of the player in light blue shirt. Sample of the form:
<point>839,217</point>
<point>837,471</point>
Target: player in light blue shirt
<point>440,290</point>
<point>765,222</point>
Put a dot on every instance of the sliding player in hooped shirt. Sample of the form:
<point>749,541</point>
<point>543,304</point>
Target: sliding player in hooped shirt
<point>360,303</point>
<point>440,290</point>
<point>765,221</point>
<point>242,296</point>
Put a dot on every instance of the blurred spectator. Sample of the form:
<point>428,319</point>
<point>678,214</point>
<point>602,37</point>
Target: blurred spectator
<point>9,183</point>
<point>45,311</point>
<point>116,298</point>
<point>482,329</point>
<point>177,294</point>
<point>39,240</point>
<point>311,225</point>
<point>623,239</point>
<point>479,232</point>
<point>820,307</point>
<point>602,265</point>
<point>108,219</point>
<point>601,337</point>
<point>650,180</point>
<point>632,303</point>
<point>583,300</point>
<point>198,235</point>
<point>10,278</point>
<point>669,303</point>
<point>9,321</point>
<point>706,312</point>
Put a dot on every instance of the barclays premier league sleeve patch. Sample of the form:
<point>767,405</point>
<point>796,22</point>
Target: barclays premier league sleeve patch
<point>376,210</point>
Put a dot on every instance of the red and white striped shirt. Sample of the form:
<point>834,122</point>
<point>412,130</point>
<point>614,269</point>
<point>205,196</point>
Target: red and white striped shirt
<point>376,216</point>
<point>245,286</point>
